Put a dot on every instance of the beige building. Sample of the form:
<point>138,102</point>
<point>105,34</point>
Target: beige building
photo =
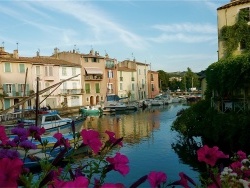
<point>92,73</point>
<point>140,77</point>
<point>227,16</point>
<point>126,83</point>
<point>20,75</point>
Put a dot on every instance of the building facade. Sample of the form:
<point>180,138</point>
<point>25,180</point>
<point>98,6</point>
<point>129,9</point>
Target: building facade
<point>227,15</point>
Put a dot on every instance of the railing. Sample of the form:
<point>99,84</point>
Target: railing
<point>133,79</point>
<point>71,91</point>
<point>93,77</point>
<point>225,105</point>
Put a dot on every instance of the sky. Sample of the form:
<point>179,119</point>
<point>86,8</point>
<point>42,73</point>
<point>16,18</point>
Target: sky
<point>170,35</point>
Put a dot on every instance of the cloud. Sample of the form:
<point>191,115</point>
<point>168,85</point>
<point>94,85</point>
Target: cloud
<point>187,28</point>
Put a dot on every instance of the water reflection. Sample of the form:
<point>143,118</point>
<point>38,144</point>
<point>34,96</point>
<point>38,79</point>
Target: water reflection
<point>133,127</point>
<point>148,142</point>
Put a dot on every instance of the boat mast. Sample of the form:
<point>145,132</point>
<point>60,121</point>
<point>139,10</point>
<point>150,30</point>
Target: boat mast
<point>37,99</point>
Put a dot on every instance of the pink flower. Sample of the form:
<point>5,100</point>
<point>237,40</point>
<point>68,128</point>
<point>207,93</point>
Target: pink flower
<point>61,140</point>
<point>119,163</point>
<point>112,185</point>
<point>3,136</point>
<point>183,181</point>
<point>112,138</point>
<point>210,155</point>
<point>242,155</point>
<point>156,178</point>
<point>10,169</point>
<point>80,181</point>
<point>91,138</point>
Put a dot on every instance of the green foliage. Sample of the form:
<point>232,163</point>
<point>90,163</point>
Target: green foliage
<point>229,131</point>
<point>239,33</point>
<point>229,75</point>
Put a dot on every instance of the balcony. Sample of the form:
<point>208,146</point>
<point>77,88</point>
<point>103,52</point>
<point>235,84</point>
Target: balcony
<point>93,77</point>
<point>71,91</point>
<point>49,78</point>
<point>133,79</point>
<point>121,78</point>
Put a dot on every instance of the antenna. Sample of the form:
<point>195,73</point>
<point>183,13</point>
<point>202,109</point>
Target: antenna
<point>17,46</point>
<point>3,43</point>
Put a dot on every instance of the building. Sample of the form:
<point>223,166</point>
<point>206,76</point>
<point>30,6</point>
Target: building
<point>228,15</point>
<point>153,84</point>
<point>22,76</point>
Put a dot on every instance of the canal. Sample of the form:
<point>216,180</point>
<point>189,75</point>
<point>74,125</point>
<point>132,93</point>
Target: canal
<point>148,143</point>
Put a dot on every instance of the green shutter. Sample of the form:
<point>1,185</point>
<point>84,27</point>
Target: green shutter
<point>22,68</point>
<point>87,88</point>
<point>7,67</point>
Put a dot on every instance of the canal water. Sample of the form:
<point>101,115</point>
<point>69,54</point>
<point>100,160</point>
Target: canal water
<point>147,140</point>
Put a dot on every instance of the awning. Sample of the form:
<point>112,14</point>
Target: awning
<point>93,70</point>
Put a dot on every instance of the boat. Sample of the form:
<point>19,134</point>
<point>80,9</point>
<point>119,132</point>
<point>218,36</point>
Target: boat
<point>52,123</point>
<point>91,111</point>
<point>113,102</point>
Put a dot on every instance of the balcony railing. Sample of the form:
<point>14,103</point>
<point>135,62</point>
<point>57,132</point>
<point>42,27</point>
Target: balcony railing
<point>133,79</point>
<point>71,91</point>
<point>93,77</point>
<point>121,78</point>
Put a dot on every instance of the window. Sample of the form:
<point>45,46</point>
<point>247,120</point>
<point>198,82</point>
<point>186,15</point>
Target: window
<point>64,72</point>
<point>110,74</point>
<point>8,88</point>
<point>97,88</point>
<point>74,85</point>
<point>48,70</point>
<point>21,68</point>
<point>46,86</point>
<point>152,87</point>
<point>87,88</point>
<point>139,71</point>
<point>243,44</point>
<point>120,86</point>
<point>144,71</point>
<point>7,67</point>
<point>73,71</point>
<point>133,87</point>
<point>86,59</point>
<point>64,85</point>
<point>110,88</point>
<point>38,73</point>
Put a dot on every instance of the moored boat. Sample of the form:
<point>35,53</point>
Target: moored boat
<point>91,111</point>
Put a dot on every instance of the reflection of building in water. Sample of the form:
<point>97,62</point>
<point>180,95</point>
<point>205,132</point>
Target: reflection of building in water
<point>132,127</point>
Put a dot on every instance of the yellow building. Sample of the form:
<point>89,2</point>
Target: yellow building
<point>227,15</point>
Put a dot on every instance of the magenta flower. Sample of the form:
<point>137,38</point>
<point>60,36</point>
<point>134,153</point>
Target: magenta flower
<point>156,178</point>
<point>113,185</point>
<point>91,138</point>
<point>3,136</point>
<point>80,181</point>
<point>36,132</point>
<point>61,140</point>
<point>210,155</point>
<point>10,169</point>
<point>241,155</point>
<point>119,163</point>
<point>112,138</point>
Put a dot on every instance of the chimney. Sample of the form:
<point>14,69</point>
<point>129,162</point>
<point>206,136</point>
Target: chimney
<point>15,54</point>
<point>38,53</point>
<point>56,50</point>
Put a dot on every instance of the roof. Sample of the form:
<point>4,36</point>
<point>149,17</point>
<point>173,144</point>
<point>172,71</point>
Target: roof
<point>93,70</point>
<point>233,3</point>
<point>48,60</point>
<point>126,69</point>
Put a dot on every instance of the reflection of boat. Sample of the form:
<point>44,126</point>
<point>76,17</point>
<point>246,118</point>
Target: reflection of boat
<point>91,111</point>
<point>32,161</point>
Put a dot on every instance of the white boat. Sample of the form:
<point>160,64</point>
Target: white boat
<point>53,122</point>
<point>113,102</point>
